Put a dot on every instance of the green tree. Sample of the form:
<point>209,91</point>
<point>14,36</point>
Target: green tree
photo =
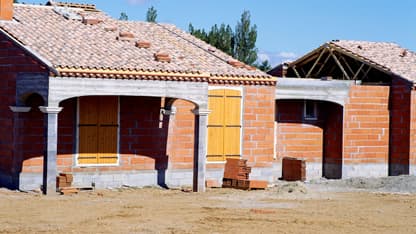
<point>264,66</point>
<point>15,1</point>
<point>245,40</point>
<point>199,33</point>
<point>151,15</point>
<point>240,44</point>
<point>123,16</point>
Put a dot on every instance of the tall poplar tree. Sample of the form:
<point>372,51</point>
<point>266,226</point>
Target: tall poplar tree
<point>151,15</point>
<point>240,44</point>
<point>245,40</point>
<point>123,16</point>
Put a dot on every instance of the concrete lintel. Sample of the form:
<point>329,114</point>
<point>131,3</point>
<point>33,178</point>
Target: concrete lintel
<point>336,91</point>
<point>61,88</point>
<point>50,110</point>
<point>20,109</point>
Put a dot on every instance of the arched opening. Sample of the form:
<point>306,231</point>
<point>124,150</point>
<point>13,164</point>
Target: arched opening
<point>154,139</point>
<point>31,141</point>
<point>311,130</point>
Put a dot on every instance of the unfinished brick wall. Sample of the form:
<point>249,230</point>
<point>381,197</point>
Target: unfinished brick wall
<point>366,130</point>
<point>7,98</point>
<point>31,136</point>
<point>258,125</point>
<point>181,136</point>
<point>295,137</point>
<point>66,135</point>
<point>142,138</point>
<point>400,107</point>
<point>143,134</point>
<point>333,133</point>
<point>412,133</point>
<point>13,60</point>
<point>317,141</point>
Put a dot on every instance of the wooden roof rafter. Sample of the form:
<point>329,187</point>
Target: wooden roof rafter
<point>341,59</point>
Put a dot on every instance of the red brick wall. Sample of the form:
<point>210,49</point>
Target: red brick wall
<point>143,134</point>
<point>412,144</point>
<point>295,137</point>
<point>7,98</point>
<point>144,141</point>
<point>366,125</point>
<point>66,134</point>
<point>181,136</point>
<point>317,141</point>
<point>333,135</point>
<point>32,136</point>
<point>13,60</point>
<point>400,107</point>
<point>258,131</point>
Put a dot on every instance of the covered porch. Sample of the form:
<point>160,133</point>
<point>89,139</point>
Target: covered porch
<point>138,129</point>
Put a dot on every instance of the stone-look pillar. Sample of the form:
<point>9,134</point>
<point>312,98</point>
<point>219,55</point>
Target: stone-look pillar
<point>49,161</point>
<point>201,149</point>
<point>17,153</point>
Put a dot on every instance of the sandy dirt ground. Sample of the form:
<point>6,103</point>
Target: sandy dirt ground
<point>348,206</point>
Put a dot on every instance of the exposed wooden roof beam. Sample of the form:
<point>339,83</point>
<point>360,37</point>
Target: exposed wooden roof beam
<point>358,71</point>
<point>315,63</point>
<point>339,65</point>
<point>296,72</point>
<point>323,65</point>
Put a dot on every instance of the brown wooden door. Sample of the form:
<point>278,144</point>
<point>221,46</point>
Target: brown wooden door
<point>224,124</point>
<point>98,130</point>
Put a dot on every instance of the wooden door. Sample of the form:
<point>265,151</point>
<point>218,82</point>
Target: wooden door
<point>224,124</point>
<point>98,130</point>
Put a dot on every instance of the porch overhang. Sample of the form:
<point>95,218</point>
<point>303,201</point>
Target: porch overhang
<point>336,91</point>
<point>62,88</point>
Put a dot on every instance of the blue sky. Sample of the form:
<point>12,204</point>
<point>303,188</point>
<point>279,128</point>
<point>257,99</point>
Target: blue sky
<point>286,29</point>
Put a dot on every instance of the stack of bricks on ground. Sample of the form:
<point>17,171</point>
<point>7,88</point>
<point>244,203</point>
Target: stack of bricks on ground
<point>236,175</point>
<point>293,169</point>
<point>64,183</point>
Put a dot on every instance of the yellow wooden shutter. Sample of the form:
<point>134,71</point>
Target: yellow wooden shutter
<point>88,130</point>
<point>232,128</point>
<point>98,130</point>
<point>224,124</point>
<point>108,130</point>
<point>216,125</point>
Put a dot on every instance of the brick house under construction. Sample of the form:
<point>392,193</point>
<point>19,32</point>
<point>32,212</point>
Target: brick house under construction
<point>135,103</point>
<point>123,103</point>
<point>349,110</point>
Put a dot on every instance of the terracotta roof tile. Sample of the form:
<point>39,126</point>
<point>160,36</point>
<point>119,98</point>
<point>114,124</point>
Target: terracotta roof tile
<point>69,43</point>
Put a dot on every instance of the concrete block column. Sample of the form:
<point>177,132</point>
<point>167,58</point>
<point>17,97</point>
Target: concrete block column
<point>200,149</point>
<point>49,162</point>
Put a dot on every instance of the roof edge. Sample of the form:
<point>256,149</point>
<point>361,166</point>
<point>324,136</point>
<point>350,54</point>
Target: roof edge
<point>44,61</point>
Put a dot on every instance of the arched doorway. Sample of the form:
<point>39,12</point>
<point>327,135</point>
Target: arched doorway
<point>311,130</point>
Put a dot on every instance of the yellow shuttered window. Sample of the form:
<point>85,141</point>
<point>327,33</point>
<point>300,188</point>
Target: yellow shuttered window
<point>98,130</point>
<point>224,124</point>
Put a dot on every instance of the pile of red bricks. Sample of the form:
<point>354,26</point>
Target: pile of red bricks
<point>64,183</point>
<point>64,180</point>
<point>293,169</point>
<point>236,175</point>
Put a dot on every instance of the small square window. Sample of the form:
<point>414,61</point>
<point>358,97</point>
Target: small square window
<point>310,110</point>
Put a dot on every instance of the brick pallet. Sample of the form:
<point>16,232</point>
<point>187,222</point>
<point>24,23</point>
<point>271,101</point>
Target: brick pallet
<point>236,175</point>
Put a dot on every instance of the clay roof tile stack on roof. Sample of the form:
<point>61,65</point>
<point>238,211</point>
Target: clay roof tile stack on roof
<point>57,34</point>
